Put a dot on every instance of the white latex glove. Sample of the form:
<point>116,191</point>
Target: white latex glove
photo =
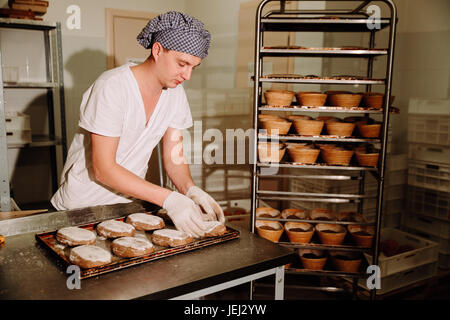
<point>209,205</point>
<point>185,214</point>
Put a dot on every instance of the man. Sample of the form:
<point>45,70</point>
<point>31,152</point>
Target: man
<point>124,115</point>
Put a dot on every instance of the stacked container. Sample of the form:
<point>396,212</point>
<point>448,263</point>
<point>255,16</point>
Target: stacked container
<point>429,173</point>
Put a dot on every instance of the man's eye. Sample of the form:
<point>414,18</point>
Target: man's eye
<point>181,64</point>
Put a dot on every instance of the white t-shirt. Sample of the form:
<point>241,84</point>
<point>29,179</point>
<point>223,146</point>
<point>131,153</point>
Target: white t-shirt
<point>113,107</point>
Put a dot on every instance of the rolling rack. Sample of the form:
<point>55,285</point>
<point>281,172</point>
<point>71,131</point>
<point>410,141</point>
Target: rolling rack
<point>354,19</point>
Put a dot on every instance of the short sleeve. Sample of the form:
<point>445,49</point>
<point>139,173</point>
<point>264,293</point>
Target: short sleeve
<point>181,117</point>
<point>101,110</point>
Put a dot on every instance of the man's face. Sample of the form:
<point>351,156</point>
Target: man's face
<point>175,67</point>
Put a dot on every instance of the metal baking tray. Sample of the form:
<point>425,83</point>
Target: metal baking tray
<point>48,240</point>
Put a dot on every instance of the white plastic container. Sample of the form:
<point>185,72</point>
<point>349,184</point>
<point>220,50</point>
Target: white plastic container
<point>429,225</point>
<point>444,244</point>
<point>17,121</point>
<point>404,278</point>
<point>429,121</point>
<point>431,203</point>
<point>429,175</point>
<point>425,252</point>
<point>18,137</point>
<point>435,154</point>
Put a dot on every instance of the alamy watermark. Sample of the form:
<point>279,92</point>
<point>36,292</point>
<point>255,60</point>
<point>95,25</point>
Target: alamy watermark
<point>374,19</point>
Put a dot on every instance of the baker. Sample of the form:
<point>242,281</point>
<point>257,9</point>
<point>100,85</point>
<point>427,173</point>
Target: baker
<point>125,113</point>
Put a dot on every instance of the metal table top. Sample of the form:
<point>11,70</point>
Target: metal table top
<point>30,271</point>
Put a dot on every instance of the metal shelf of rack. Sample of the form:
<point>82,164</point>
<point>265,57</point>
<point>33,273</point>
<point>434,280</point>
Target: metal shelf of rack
<point>314,166</point>
<point>321,109</point>
<point>321,81</point>
<point>55,140</point>
<point>323,138</point>
<point>354,19</point>
<point>25,85</point>
<point>321,53</point>
<point>319,24</point>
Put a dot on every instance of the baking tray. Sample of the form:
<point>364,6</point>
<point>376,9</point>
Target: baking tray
<point>48,240</point>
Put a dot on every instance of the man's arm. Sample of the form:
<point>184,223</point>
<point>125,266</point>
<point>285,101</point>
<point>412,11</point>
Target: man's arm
<point>174,161</point>
<point>178,171</point>
<point>113,175</point>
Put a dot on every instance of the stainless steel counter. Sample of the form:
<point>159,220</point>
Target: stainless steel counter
<point>30,271</point>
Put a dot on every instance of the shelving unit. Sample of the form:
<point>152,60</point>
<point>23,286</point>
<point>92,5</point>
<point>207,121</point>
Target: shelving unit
<point>55,141</point>
<point>354,19</point>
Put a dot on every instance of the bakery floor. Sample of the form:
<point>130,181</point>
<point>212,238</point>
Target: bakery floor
<point>437,288</point>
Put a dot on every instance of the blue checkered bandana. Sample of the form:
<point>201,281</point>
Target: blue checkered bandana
<point>176,31</point>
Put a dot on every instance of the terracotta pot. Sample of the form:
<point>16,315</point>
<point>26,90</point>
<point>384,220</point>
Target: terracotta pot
<point>313,263</point>
<point>303,155</point>
<point>332,234</point>
<point>369,130</point>
<point>367,159</point>
<point>362,235</point>
<point>375,100</point>
<point>350,216</point>
<point>267,212</point>
<point>308,127</point>
<point>336,128</point>
<point>311,99</point>
<point>279,97</point>
<point>293,213</point>
<point>345,100</point>
<point>351,262</point>
<point>295,235</point>
<point>337,156</point>
<point>270,230</point>
<point>271,152</point>
<point>322,214</point>
<point>275,127</point>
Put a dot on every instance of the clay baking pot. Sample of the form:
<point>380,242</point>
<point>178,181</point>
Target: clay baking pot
<point>375,100</point>
<point>322,214</point>
<point>302,154</point>
<point>293,213</point>
<point>369,130</point>
<point>346,261</point>
<point>267,212</point>
<point>337,156</point>
<point>362,235</point>
<point>316,263</point>
<point>337,128</point>
<point>332,234</point>
<point>311,99</point>
<point>279,97</point>
<point>271,152</point>
<point>270,230</point>
<point>299,232</point>
<point>275,126</point>
<point>262,117</point>
<point>308,127</point>
<point>350,216</point>
<point>345,100</point>
<point>367,159</point>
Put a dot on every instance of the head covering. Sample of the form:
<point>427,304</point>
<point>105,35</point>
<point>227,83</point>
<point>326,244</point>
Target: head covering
<point>176,31</point>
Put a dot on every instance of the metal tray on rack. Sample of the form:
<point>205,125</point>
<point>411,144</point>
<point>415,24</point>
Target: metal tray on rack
<point>48,240</point>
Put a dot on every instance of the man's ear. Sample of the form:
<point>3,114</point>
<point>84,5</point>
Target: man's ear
<point>157,49</point>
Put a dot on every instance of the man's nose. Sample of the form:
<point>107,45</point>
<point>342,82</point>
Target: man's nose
<point>186,74</point>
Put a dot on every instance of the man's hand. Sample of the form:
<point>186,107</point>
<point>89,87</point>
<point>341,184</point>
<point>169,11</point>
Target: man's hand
<point>209,205</point>
<point>185,214</point>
